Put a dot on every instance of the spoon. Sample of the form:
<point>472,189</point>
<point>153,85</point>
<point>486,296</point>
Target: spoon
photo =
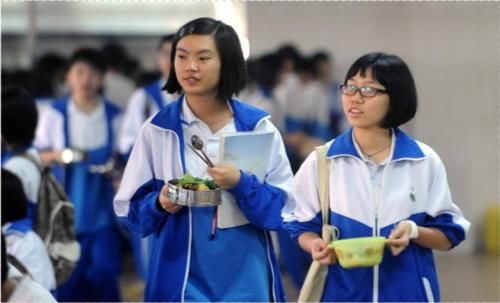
<point>198,154</point>
<point>197,143</point>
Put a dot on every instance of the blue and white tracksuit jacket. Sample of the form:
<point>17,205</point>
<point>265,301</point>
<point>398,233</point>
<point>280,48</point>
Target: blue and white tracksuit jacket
<point>91,193</point>
<point>158,156</point>
<point>414,186</point>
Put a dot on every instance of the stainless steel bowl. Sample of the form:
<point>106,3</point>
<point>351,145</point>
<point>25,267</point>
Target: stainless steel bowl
<point>194,198</point>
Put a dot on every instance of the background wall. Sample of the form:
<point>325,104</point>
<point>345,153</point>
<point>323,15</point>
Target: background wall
<point>452,49</point>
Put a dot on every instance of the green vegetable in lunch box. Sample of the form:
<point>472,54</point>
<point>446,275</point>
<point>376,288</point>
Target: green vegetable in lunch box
<point>189,182</point>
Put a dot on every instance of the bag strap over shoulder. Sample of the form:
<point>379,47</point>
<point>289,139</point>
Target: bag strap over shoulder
<point>314,283</point>
<point>323,180</point>
<point>329,232</point>
<point>33,160</point>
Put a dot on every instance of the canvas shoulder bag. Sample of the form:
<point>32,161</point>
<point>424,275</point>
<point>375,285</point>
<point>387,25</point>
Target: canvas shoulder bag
<point>314,284</point>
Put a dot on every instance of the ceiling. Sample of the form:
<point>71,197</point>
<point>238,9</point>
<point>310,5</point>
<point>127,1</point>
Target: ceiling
<point>115,17</point>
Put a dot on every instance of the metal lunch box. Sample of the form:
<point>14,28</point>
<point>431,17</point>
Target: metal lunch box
<point>194,198</point>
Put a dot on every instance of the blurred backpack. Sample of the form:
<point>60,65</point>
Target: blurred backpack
<point>55,224</point>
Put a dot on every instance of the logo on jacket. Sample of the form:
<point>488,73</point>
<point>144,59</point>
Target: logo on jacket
<point>413,195</point>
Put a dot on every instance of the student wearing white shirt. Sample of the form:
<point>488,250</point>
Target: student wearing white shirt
<point>324,73</point>
<point>20,287</point>
<point>147,100</point>
<point>195,259</point>
<point>382,183</point>
<point>22,242</point>
<point>265,75</point>
<point>118,86</point>
<point>19,122</point>
<point>86,123</point>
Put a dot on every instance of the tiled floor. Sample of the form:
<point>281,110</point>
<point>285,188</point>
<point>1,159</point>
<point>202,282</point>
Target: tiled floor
<point>463,278</point>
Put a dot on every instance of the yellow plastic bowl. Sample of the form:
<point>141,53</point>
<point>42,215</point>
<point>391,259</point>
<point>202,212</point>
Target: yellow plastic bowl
<point>359,252</point>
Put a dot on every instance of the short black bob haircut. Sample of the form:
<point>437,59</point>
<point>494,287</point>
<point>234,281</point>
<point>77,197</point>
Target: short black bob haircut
<point>90,56</point>
<point>393,73</point>
<point>19,116</point>
<point>232,71</point>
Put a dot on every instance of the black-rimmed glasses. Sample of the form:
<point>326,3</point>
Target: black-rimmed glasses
<point>365,91</point>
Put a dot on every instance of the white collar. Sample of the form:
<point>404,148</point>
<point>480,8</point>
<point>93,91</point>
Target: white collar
<point>187,115</point>
<point>72,108</point>
<point>366,159</point>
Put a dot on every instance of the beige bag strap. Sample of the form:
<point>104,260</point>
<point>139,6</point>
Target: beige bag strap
<point>314,283</point>
<point>324,191</point>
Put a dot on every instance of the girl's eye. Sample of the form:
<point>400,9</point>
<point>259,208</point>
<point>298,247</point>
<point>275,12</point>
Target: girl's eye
<point>181,56</point>
<point>204,58</point>
<point>351,88</point>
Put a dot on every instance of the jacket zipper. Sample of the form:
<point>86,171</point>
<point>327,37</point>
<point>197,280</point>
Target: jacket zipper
<point>376,232</point>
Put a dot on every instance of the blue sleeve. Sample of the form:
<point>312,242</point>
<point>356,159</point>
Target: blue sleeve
<point>443,214</point>
<point>144,217</point>
<point>444,222</point>
<point>261,203</point>
<point>321,131</point>
<point>293,124</point>
<point>96,156</point>
<point>296,228</point>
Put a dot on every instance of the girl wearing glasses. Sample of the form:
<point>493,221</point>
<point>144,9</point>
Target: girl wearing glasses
<point>201,254</point>
<point>382,183</point>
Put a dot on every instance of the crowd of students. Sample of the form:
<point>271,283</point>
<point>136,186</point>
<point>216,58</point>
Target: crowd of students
<point>114,144</point>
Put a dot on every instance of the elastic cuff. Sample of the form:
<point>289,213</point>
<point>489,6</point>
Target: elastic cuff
<point>245,182</point>
<point>414,228</point>
<point>153,207</point>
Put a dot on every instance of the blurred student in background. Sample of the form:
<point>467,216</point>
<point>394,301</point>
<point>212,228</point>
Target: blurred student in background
<point>22,242</point>
<point>289,85</point>
<point>19,287</point>
<point>306,104</point>
<point>323,71</point>
<point>309,116</point>
<point>264,75</point>
<point>118,86</point>
<point>19,122</point>
<point>147,100</point>
<point>79,132</point>
<point>46,79</point>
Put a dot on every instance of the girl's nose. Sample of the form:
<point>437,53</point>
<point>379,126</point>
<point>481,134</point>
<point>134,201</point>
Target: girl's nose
<point>357,98</point>
<point>192,66</point>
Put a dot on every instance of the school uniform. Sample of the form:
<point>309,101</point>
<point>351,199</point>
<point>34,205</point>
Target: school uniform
<point>144,102</point>
<point>24,244</point>
<point>28,290</point>
<point>367,200</point>
<point>186,265</point>
<point>308,111</point>
<point>64,125</point>
<point>28,174</point>
<point>262,98</point>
